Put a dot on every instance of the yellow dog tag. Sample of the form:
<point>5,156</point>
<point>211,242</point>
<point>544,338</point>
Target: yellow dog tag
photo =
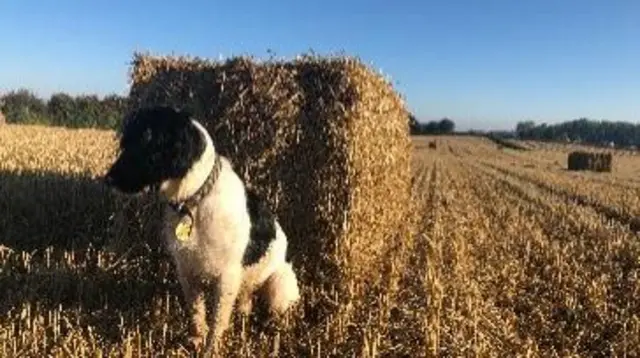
<point>183,229</point>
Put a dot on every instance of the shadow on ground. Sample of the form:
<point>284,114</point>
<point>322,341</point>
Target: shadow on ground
<point>67,212</point>
<point>69,243</point>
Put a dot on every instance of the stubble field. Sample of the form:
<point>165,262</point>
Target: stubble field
<point>515,257</point>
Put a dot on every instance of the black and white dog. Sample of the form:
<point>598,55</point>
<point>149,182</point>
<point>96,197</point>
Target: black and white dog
<point>225,242</point>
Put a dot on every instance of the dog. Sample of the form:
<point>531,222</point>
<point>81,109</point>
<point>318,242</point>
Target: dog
<point>225,242</point>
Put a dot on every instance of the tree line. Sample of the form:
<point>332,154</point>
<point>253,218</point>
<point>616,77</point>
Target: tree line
<point>23,106</point>
<point>61,109</point>
<point>88,110</point>
<point>443,126</point>
<point>583,130</point>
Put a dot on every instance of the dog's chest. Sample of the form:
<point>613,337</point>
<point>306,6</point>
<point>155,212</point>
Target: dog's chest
<point>217,238</point>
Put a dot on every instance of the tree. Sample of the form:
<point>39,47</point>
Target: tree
<point>522,128</point>
<point>414,126</point>
<point>446,125</point>
<point>23,106</point>
<point>114,108</point>
<point>432,127</point>
<point>60,108</point>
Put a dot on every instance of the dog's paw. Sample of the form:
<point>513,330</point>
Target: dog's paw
<point>245,306</point>
<point>195,342</point>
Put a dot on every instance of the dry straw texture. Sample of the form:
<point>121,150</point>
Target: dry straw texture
<point>515,257</point>
<point>580,160</point>
<point>325,140</point>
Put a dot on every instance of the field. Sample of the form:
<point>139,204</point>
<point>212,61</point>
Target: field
<point>515,257</point>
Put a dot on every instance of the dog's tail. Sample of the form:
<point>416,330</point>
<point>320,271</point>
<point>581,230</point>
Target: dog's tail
<point>281,288</point>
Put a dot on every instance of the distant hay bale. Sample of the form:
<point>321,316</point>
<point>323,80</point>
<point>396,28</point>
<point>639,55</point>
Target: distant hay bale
<point>324,140</point>
<point>598,162</point>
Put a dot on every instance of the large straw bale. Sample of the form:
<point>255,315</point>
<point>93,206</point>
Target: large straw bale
<point>324,140</point>
<point>581,160</point>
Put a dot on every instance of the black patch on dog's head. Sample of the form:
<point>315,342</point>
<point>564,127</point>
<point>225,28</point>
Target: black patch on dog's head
<point>157,144</point>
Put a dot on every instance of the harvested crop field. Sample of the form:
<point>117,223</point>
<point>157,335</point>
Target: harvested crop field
<point>516,256</point>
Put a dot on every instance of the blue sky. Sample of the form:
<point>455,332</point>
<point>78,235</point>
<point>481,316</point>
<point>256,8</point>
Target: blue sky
<point>485,64</point>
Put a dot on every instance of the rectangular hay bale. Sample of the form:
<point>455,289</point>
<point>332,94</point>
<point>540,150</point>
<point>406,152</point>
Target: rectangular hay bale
<point>324,140</point>
<point>582,160</point>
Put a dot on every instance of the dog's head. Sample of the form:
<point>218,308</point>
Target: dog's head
<point>158,144</point>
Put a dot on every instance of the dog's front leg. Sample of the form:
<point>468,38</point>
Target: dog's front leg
<point>221,303</point>
<point>193,291</point>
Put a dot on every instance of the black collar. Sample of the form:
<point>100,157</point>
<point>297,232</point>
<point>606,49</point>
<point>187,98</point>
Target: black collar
<point>186,206</point>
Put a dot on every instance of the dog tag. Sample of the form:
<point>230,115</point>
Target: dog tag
<point>183,229</point>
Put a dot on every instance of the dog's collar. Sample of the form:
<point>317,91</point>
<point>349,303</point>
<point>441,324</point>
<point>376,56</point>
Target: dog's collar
<point>186,206</point>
